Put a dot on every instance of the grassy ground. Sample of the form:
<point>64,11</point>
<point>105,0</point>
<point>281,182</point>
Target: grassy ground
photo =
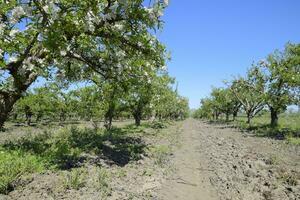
<point>18,130</point>
<point>288,128</point>
<point>67,151</point>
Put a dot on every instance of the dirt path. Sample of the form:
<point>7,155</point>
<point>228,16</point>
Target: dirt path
<point>191,180</point>
<point>218,162</point>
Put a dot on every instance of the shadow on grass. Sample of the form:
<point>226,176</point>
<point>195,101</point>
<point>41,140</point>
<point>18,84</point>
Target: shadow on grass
<point>278,133</point>
<point>72,147</point>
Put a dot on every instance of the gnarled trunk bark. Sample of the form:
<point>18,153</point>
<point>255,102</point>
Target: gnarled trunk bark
<point>20,80</point>
<point>7,102</point>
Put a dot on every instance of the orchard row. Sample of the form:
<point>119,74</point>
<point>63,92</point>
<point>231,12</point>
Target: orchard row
<point>272,84</point>
<point>155,100</point>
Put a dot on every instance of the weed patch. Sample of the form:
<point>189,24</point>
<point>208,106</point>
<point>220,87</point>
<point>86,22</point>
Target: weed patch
<point>103,179</point>
<point>13,165</point>
<point>75,179</point>
<point>160,154</point>
<point>66,150</point>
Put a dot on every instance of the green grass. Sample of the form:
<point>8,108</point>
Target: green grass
<point>75,179</point>
<point>161,154</point>
<point>64,149</point>
<point>288,126</point>
<point>291,121</point>
<point>103,178</point>
<point>294,140</point>
<point>14,164</point>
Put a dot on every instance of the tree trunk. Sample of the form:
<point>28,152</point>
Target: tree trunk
<point>109,116</point>
<point>2,120</point>
<point>15,116</point>
<point>274,117</point>
<point>137,117</point>
<point>8,98</point>
<point>227,117</point>
<point>62,117</point>
<point>108,120</point>
<point>137,121</point>
<point>234,115</point>
<point>153,117</point>
<point>248,118</point>
<point>28,114</point>
<point>38,117</point>
<point>7,102</point>
<point>28,120</point>
<point>216,115</point>
<point>94,124</point>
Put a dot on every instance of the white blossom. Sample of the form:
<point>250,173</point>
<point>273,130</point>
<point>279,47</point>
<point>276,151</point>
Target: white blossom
<point>16,14</point>
<point>46,8</point>
<point>30,67</point>
<point>76,23</point>
<point>54,10</point>
<point>89,21</point>
<point>40,61</point>
<point>12,59</point>
<point>1,52</point>
<point>114,7</point>
<point>13,33</point>
<point>22,70</point>
<point>69,47</point>
<point>119,66</point>
<point>107,17</point>
<point>75,54</point>
<point>120,54</point>
<point>119,27</point>
<point>160,13</point>
<point>164,68</point>
<point>63,53</point>
<point>55,62</point>
<point>2,28</point>
<point>40,37</point>
<point>149,10</point>
<point>27,65</point>
<point>27,9</point>
<point>139,44</point>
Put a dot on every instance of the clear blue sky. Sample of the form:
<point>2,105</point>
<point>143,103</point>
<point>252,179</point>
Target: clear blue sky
<point>211,40</point>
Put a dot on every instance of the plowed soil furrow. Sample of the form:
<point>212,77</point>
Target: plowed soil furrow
<point>217,162</point>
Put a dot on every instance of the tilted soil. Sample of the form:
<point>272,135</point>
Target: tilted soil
<point>218,162</point>
<point>203,161</point>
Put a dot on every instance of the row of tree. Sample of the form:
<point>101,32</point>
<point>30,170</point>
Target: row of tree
<point>155,100</point>
<point>273,84</point>
<point>111,43</point>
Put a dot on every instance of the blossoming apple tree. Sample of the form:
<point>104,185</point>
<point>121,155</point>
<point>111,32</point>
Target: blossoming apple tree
<point>71,39</point>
